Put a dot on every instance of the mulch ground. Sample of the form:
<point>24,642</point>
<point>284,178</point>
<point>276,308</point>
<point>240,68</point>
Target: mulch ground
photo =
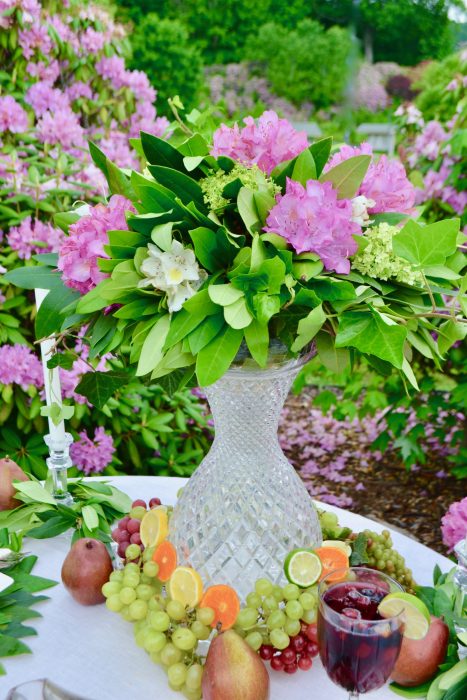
<point>413,502</point>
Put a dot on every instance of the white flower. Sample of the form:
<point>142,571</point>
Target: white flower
<point>360,206</point>
<point>176,272</point>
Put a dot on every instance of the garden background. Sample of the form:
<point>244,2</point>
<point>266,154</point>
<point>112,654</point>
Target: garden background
<point>78,71</point>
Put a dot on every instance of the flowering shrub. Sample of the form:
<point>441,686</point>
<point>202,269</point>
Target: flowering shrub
<point>454,524</point>
<point>69,85</point>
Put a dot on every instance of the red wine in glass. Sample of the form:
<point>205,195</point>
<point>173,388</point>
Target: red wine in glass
<point>357,646</point>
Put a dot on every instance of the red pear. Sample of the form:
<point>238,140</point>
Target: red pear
<point>86,568</point>
<point>9,470</point>
<point>233,671</point>
<point>419,658</point>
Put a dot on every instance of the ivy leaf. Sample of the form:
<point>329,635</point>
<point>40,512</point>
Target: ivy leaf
<point>335,359</point>
<point>425,246</point>
<point>98,387</point>
<point>449,333</point>
<point>308,328</point>
<point>57,413</point>
<point>347,177</point>
<point>369,333</point>
<point>61,359</point>
<point>359,554</point>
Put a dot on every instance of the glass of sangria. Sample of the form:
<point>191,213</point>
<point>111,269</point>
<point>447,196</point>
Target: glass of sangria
<point>358,647</point>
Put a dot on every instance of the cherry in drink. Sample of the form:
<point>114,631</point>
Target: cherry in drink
<point>357,646</point>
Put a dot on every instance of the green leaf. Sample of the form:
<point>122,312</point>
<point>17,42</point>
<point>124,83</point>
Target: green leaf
<point>160,152</point>
<point>237,314</point>
<point>257,340</point>
<point>308,328</point>
<point>98,387</point>
<point>369,333</point>
<point>119,183</point>
<point>93,300</point>
<point>51,528</point>
<point>99,157</point>
<point>49,318</point>
<point>335,359</point>
<point>217,356</point>
<point>213,248</point>
<point>90,517</point>
<point>205,332</point>
<point>449,333</point>
<point>34,490</point>
<point>200,303</point>
<point>181,325</point>
<point>247,209</point>
<point>61,359</point>
<point>320,151</point>
<point>347,177</point>
<point>359,554</point>
<point>418,691</point>
<point>304,168</point>
<point>34,277</point>
<point>182,185</point>
<point>264,202</point>
<point>224,294</point>
<point>266,306</point>
<point>64,220</point>
<point>425,246</point>
<point>151,352</point>
<point>162,236</point>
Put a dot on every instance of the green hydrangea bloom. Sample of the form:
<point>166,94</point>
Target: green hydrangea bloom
<point>253,177</point>
<point>376,257</point>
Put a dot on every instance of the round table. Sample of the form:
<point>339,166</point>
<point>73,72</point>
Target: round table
<point>91,651</point>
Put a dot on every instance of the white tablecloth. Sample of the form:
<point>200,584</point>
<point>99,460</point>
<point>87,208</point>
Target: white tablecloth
<point>91,651</point>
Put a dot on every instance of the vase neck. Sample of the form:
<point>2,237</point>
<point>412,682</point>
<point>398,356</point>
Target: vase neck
<point>246,406</point>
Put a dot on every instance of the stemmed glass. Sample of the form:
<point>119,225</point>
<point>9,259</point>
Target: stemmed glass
<point>357,646</point>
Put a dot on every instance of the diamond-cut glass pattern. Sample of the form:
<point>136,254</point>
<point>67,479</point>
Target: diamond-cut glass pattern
<point>245,507</point>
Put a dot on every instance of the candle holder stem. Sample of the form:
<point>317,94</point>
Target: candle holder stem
<point>58,464</point>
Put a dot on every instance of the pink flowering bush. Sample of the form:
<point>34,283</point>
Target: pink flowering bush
<point>265,144</point>
<point>92,455</point>
<point>454,524</point>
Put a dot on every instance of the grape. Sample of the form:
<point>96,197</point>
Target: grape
<point>199,630</point>
<point>123,522</point>
<point>254,640</point>
<point>177,674</point>
<point>305,663</point>
<point>291,591</point>
<point>139,502</point>
<point>127,595</point>
<point>118,534</point>
<point>312,649</point>
<point>138,609</point>
<point>307,601</point>
<point>205,615</point>
<point>290,668</point>
<point>270,603</point>
<point>159,621</point>
<point>151,569</point>
<point>155,502</point>
<point>309,616</point>
<point>279,639</point>
<point>110,588</point>
<point>114,603</point>
<point>132,551</point>
<point>194,677</point>
<point>298,643</point>
<point>135,539</point>
<point>388,560</point>
<point>133,526</point>
<point>122,547</point>
<point>131,580</point>
<point>184,639</point>
<point>137,513</point>
<point>293,609</point>
<point>176,610</point>
<point>154,604</point>
<point>170,655</point>
<point>263,587</point>
<point>131,568</point>
<point>276,620</point>
<point>311,633</point>
<point>254,600</point>
<point>156,657</point>
<point>292,627</point>
<point>147,554</point>
<point>144,591</point>
<point>246,618</point>
<point>277,593</point>
<point>140,639</point>
<point>288,656</point>
<point>116,576</point>
<point>125,613</point>
<point>277,664</point>
<point>192,694</point>
<point>266,652</point>
<point>154,641</point>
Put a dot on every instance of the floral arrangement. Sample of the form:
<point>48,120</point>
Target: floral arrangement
<point>454,524</point>
<point>251,237</point>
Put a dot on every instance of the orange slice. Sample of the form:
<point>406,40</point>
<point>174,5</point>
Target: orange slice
<point>332,558</point>
<point>165,556</point>
<point>225,603</point>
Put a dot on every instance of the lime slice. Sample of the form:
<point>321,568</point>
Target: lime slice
<point>302,567</point>
<point>415,614</point>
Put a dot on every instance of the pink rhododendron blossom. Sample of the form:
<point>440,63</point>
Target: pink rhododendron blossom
<point>454,524</point>
<point>92,41</point>
<point>92,456</point>
<point>427,144</point>
<point>43,71</point>
<point>145,119</point>
<point>35,38</point>
<point>313,219</point>
<point>138,81</point>
<point>80,251</point>
<point>19,365</point>
<point>42,97</point>
<point>117,148</point>
<point>266,144</point>
<point>345,152</point>
<point>77,90</point>
<point>386,182</point>
<point>112,68</point>
<point>61,127</point>
<point>30,238</point>
<point>13,117</point>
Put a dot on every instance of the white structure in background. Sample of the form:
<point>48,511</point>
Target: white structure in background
<point>382,137</point>
<point>311,129</point>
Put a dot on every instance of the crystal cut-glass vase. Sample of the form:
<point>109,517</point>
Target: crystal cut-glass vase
<point>245,507</point>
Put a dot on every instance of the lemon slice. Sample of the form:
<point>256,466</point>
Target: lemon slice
<point>338,544</point>
<point>302,567</point>
<point>186,586</point>
<point>415,614</point>
<point>154,527</point>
